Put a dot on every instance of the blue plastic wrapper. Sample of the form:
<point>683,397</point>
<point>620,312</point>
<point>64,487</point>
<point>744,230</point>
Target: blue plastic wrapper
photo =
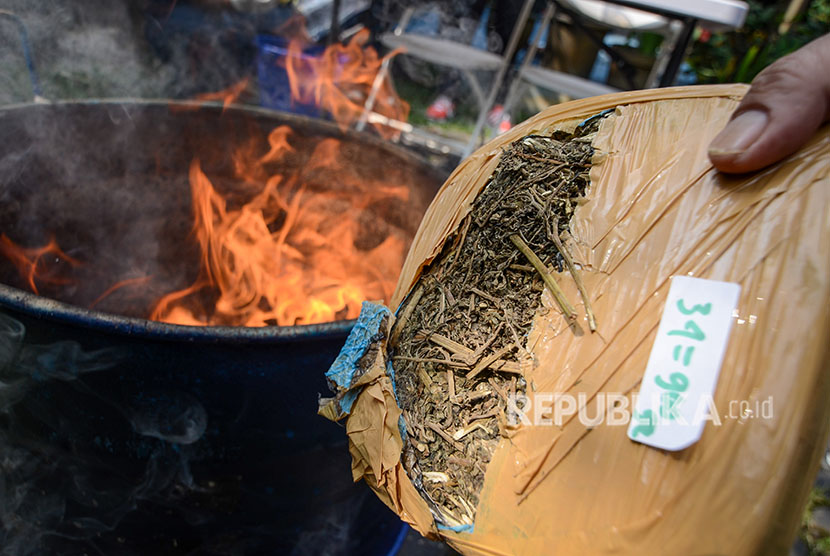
<point>345,370</point>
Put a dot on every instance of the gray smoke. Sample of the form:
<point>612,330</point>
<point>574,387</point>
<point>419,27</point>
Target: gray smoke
<point>52,484</point>
<point>174,417</point>
<point>88,179</point>
<point>120,49</point>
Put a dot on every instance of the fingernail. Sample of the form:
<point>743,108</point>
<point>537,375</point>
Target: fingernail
<point>740,133</point>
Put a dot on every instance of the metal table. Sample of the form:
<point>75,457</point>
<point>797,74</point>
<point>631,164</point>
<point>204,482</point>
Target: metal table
<point>715,14</point>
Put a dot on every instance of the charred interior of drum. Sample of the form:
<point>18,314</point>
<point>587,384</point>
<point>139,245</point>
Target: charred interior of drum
<point>459,344</point>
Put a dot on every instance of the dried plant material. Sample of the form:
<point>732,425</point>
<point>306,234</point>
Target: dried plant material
<point>427,380</point>
<point>462,352</point>
<point>436,477</point>
<point>443,434</point>
<point>461,433</point>
<point>592,319</point>
<point>459,346</point>
<point>463,462</point>
<point>407,312</point>
<point>550,281</point>
<point>488,361</point>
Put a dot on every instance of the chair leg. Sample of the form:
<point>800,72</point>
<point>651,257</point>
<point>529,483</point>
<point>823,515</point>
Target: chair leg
<point>478,92</point>
<point>669,44</point>
<point>496,85</point>
<point>373,94</point>
<point>404,21</point>
<point>678,53</point>
<point>547,17</point>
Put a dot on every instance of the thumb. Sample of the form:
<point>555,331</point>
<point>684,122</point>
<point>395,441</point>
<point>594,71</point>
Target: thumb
<point>785,105</point>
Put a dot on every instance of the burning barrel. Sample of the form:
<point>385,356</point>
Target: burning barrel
<point>250,237</point>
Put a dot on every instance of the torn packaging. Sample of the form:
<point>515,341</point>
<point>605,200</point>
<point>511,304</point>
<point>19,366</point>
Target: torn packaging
<point>359,375</point>
<point>655,209</point>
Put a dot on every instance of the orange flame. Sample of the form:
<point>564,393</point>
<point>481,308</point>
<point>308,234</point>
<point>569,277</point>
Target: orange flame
<point>341,80</point>
<point>129,282</point>
<point>37,264</point>
<point>227,96</point>
<point>287,256</point>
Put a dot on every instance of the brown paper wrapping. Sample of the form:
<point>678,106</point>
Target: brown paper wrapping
<point>656,208</point>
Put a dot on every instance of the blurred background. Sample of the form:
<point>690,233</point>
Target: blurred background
<point>452,63</point>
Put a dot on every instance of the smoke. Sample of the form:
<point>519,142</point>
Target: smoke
<point>99,455</point>
<point>170,416</point>
<point>61,481</point>
<point>124,49</point>
<point>334,532</point>
<point>78,48</point>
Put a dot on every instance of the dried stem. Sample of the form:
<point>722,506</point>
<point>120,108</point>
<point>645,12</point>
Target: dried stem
<point>443,434</point>
<point>537,263</point>
<point>500,365</point>
<point>489,360</point>
<point>592,320</point>
<point>451,384</point>
<point>403,318</point>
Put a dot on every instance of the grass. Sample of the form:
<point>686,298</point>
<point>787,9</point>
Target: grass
<point>420,97</point>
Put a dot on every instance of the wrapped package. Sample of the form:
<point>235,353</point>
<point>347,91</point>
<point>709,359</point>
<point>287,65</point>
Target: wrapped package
<point>544,265</point>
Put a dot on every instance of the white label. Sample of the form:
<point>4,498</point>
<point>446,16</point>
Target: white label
<point>676,394</point>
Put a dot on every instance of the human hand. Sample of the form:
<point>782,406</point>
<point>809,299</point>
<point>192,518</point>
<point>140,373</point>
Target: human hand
<point>785,105</point>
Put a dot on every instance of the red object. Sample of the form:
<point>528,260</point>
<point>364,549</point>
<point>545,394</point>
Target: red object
<point>441,109</point>
<point>499,119</point>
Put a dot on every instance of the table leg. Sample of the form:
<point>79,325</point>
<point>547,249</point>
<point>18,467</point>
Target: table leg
<point>478,92</point>
<point>679,53</point>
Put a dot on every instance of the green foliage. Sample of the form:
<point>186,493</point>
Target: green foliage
<point>817,541</point>
<point>738,56</point>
